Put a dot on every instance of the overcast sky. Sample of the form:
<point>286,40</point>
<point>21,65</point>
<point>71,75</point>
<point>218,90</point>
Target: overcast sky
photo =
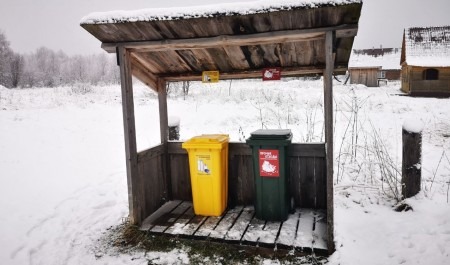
<point>30,24</point>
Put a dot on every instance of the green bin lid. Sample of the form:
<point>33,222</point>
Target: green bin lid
<point>273,134</point>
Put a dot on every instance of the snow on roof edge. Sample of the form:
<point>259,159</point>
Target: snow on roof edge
<point>388,60</point>
<point>427,46</point>
<point>225,9</point>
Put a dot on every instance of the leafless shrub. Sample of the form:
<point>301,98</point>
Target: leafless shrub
<point>81,88</point>
<point>363,153</point>
<point>428,189</point>
<point>349,144</point>
<point>390,173</point>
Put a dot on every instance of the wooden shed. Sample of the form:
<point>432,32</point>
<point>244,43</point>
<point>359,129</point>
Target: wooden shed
<point>239,40</point>
<point>372,67</point>
<point>367,75</point>
<point>425,61</point>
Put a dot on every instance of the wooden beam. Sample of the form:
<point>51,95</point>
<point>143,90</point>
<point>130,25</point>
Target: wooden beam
<point>130,136</point>
<point>328,112</point>
<point>282,36</point>
<point>141,72</point>
<point>286,72</point>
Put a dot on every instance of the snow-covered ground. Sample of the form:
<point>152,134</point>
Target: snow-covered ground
<point>63,177</point>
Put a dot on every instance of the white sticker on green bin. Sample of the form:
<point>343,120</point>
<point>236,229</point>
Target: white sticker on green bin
<point>204,164</point>
<point>269,163</point>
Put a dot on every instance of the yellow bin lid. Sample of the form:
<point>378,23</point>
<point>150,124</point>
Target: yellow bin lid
<point>207,141</point>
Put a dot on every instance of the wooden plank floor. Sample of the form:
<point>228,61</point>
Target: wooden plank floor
<point>304,230</point>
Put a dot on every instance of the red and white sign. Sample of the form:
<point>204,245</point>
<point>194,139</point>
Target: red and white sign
<point>271,74</point>
<point>269,163</point>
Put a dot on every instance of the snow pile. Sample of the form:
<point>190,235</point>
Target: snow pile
<point>63,176</point>
<point>368,232</point>
<point>429,47</point>
<point>413,125</point>
<point>173,121</point>
<point>213,10</point>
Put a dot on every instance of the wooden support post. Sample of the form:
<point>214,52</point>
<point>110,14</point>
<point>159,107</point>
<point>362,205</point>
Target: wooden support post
<point>130,136</point>
<point>412,161</point>
<point>164,130</point>
<point>328,112</point>
<point>163,116</point>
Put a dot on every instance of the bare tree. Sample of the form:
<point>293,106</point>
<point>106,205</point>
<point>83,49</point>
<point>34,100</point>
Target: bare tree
<point>47,68</point>
<point>5,59</point>
<point>186,85</point>
<point>17,65</point>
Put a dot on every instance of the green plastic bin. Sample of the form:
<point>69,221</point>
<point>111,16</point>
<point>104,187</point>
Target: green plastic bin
<point>271,169</point>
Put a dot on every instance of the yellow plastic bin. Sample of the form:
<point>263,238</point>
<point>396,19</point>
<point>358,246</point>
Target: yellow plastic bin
<point>208,163</point>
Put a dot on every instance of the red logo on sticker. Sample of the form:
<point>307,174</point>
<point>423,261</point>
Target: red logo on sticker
<point>269,163</point>
<point>271,74</point>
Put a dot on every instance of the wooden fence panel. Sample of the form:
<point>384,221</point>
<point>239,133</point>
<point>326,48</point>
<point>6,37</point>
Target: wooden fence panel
<point>321,182</point>
<point>307,183</point>
<point>241,184</point>
<point>181,178</point>
<point>151,180</point>
<point>307,174</point>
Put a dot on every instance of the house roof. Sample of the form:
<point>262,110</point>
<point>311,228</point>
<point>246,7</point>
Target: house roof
<point>385,58</point>
<point>427,47</point>
<point>238,40</point>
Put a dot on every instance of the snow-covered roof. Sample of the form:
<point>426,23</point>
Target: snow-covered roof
<point>429,47</point>
<point>237,40</point>
<point>385,58</point>
<point>225,9</point>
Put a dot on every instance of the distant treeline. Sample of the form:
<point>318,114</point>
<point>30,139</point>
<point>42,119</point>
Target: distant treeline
<point>47,68</point>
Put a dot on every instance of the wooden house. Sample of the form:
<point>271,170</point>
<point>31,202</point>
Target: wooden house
<point>425,61</point>
<point>238,40</point>
<point>373,67</point>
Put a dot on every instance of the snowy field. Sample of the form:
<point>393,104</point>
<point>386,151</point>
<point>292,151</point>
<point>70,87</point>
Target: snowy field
<point>63,176</point>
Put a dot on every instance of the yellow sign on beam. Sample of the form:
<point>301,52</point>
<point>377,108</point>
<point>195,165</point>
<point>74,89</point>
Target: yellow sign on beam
<point>210,76</point>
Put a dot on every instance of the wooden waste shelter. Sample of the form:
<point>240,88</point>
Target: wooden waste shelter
<point>240,40</point>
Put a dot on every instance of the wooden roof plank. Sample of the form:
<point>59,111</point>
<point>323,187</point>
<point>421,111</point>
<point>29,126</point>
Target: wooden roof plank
<point>317,48</point>
<point>287,54</point>
<point>123,31</point>
<point>271,55</point>
<point>242,25</point>
<point>223,26</point>
<point>147,30</point>
<point>189,57</point>
<point>303,19</point>
<point>164,30</point>
<point>262,23</point>
<point>278,20</point>
<point>174,61</point>
<point>303,53</point>
<point>206,61</point>
<point>153,63</point>
<point>204,27</point>
<point>237,57</point>
<point>254,55</point>
<point>169,62</point>
<point>220,58</point>
<point>182,29</point>
<point>139,71</point>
